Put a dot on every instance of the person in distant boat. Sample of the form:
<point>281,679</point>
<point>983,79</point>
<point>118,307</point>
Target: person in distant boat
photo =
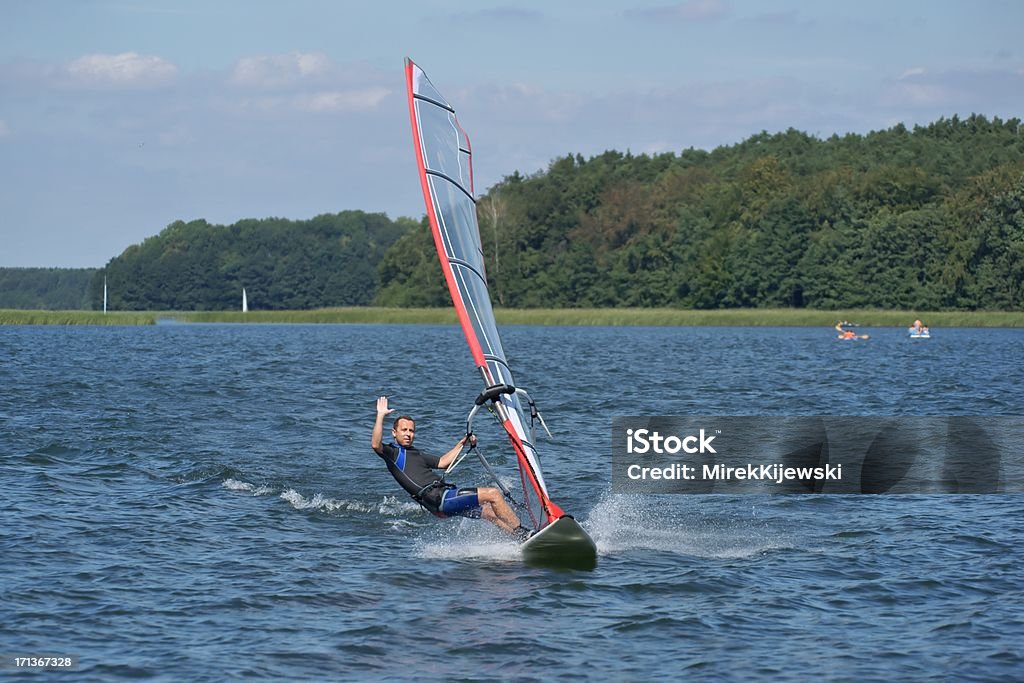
<point>844,332</point>
<point>915,328</point>
<point>413,470</point>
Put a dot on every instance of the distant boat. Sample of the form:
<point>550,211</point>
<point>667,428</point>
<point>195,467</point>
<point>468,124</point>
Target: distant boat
<point>104,294</point>
<point>919,331</point>
<point>245,302</point>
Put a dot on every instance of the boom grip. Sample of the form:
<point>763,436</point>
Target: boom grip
<point>492,393</point>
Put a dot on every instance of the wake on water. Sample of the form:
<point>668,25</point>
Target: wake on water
<point>234,485</point>
<point>389,506</point>
<point>620,524</point>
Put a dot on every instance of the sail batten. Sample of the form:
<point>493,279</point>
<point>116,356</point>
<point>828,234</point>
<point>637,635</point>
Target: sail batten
<point>443,105</point>
<point>452,181</point>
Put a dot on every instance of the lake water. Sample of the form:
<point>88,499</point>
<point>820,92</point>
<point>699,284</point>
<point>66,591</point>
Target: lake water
<point>199,502</point>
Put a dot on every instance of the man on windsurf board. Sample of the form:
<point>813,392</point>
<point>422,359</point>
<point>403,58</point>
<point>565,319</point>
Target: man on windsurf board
<point>413,470</point>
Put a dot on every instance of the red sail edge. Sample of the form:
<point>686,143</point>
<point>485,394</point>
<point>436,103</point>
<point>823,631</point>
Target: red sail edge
<point>551,510</point>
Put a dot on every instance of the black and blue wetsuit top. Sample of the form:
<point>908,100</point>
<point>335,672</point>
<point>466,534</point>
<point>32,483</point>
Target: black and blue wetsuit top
<point>411,468</point>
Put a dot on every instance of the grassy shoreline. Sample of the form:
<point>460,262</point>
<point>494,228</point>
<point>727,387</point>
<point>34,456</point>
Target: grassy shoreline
<point>627,317</point>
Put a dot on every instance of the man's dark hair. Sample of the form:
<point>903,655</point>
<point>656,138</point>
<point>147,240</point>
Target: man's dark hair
<point>394,425</point>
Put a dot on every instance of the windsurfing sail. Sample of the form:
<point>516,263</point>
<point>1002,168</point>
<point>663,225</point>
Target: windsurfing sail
<point>245,302</point>
<point>444,158</point>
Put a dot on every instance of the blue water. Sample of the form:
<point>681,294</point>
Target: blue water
<point>200,503</point>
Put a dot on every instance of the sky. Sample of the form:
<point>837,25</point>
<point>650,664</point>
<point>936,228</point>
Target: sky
<point>119,117</point>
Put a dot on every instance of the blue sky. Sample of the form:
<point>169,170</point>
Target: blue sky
<point>118,117</point>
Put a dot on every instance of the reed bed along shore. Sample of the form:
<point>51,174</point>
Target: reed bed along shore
<point>534,316</point>
<point>32,317</point>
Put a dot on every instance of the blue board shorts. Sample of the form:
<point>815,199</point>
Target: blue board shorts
<point>460,503</point>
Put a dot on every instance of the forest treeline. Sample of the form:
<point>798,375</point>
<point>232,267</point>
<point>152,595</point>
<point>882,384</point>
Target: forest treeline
<point>929,218</point>
<point>51,289</point>
<point>329,260</point>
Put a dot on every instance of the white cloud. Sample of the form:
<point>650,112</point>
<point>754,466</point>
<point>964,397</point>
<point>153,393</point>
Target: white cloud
<point>272,71</point>
<point>307,83</point>
<point>924,95</point>
<point>347,101</point>
<point>339,101</point>
<point>692,10</point>
<point>910,73</point>
<point>993,92</point>
<point>496,16</point>
<point>124,69</point>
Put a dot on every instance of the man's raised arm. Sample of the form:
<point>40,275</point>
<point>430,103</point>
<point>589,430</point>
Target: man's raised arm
<point>376,440</point>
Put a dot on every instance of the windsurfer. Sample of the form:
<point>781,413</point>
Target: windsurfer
<point>413,470</point>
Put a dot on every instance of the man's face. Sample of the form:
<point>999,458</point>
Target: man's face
<point>404,432</point>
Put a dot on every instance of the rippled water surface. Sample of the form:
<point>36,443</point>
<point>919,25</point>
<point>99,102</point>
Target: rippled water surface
<point>192,502</point>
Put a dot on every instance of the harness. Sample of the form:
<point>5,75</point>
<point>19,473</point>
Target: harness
<point>420,495</point>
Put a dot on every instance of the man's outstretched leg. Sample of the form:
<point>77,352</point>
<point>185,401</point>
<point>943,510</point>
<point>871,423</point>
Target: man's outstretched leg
<point>496,510</point>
